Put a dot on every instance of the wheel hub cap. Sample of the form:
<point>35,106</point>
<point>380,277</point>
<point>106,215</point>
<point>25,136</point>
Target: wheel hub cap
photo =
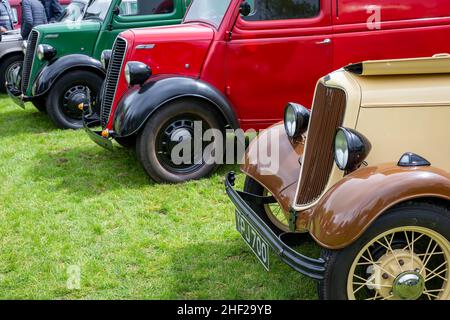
<point>408,285</point>
<point>395,266</point>
<point>75,99</point>
<point>181,135</point>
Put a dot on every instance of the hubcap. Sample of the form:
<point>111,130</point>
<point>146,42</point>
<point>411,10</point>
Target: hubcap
<point>408,285</point>
<point>72,98</point>
<point>176,131</point>
<point>181,135</point>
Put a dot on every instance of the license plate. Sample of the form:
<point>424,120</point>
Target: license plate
<point>254,240</point>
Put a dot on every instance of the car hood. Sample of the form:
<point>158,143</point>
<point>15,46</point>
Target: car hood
<point>70,38</point>
<point>182,32</point>
<point>178,49</point>
<point>69,27</point>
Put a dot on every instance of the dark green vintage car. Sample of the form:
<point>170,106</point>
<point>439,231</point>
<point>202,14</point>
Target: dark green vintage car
<point>62,67</point>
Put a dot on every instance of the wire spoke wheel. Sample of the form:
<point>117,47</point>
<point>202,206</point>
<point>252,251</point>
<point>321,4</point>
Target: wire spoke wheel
<point>276,214</point>
<point>406,263</point>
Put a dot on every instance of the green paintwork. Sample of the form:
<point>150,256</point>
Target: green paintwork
<point>92,37</point>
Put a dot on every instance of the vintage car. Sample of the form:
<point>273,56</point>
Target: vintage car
<point>241,61</point>
<point>62,63</point>
<point>11,55</point>
<point>11,42</point>
<point>365,174</point>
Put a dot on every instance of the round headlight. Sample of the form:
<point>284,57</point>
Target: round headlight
<point>350,149</point>
<point>105,58</point>
<point>136,73</point>
<point>45,52</point>
<point>296,119</point>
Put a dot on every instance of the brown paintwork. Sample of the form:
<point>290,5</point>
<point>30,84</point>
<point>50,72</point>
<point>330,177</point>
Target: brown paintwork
<point>348,208</point>
<point>281,183</point>
<point>351,205</point>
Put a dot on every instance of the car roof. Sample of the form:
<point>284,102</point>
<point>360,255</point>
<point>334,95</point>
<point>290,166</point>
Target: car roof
<point>439,63</point>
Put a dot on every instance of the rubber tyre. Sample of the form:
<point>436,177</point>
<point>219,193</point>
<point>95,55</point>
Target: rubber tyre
<point>40,104</point>
<point>146,142</point>
<point>4,66</point>
<point>253,187</point>
<point>339,262</point>
<point>127,142</point>
<point>82,77</point>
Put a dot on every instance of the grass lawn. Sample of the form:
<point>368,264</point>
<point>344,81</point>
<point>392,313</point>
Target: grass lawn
<point>66,203</point>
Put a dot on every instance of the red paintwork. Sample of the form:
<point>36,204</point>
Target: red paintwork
<point>17,4</point>
<point>267,64</point>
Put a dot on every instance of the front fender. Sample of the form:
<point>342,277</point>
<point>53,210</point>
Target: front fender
<point>354,203</point>
<point>55,68</point>
<point>272,159</point>
<point>137,105</point>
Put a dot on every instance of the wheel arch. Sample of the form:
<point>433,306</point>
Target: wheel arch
<point>370,193</point>
<point>439,201</point>
<point>62,66</point>
<point>129,118</point>
<point>10,54</point>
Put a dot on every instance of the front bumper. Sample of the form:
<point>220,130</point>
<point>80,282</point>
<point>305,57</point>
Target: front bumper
<point>16,95</point>
<point>96,136</point>
<point>313,268</point>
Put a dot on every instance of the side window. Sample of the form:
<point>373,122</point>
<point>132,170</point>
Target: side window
<point>145,7</point>
<point>263,10</point>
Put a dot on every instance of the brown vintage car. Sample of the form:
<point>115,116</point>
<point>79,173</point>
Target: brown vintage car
<point>369,182</point>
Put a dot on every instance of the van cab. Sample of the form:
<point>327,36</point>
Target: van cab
<point>241,62</point>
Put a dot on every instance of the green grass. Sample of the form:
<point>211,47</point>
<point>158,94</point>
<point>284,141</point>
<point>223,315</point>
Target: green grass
<point>66,202</point>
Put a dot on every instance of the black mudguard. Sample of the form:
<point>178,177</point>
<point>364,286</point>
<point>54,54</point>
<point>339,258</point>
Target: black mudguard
<point>57,67</point>
<point>138,104</point>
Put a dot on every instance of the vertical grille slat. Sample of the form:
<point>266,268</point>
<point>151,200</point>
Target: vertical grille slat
<point>327,115</point>
<point>28,60</point>
<point>112,79</point>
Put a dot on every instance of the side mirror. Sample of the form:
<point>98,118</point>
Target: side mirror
<point>245,9</point>
<point>116,11</point>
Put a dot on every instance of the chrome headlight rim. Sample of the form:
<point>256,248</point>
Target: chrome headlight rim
<point>296,119</point>
<point>137,73</point>
<point>105,58</point>
<point>45,52</point>
<point>351,148</point>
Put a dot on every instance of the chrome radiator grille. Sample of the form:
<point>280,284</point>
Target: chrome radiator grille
<point>327,115</point>
<point>112,79</point>
<point>28,60</point>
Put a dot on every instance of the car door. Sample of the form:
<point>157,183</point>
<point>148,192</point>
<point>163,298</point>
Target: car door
<point>129,14</point>
<point>276,55</point>
<point>383,29</point>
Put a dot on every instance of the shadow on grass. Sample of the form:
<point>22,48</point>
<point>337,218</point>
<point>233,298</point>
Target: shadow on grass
<point>89,169</point>
<point>229,270</point>
<point>14,122</point>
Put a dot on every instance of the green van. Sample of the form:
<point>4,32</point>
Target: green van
<point>62,67</point>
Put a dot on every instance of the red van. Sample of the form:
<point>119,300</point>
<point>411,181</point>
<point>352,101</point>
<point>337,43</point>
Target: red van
<point>16,8</point>
<point>235,63</point>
